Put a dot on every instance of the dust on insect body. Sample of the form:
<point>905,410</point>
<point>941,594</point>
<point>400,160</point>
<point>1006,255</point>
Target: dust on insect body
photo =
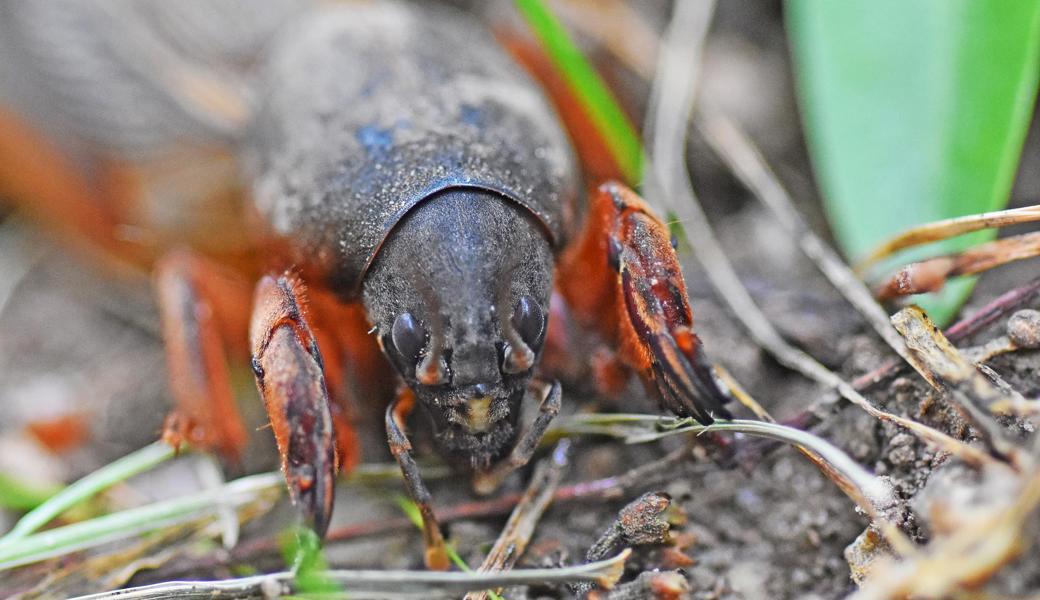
<point>401,164</point>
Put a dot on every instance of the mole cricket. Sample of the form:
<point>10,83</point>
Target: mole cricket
<point>402,214</point>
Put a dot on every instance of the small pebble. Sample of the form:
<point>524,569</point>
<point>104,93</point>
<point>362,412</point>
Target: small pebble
<point>1023,328</point>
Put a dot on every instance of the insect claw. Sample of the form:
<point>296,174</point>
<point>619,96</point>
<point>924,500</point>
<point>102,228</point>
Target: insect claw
<point>304,486</point>
<point>287,365</point>
<point>686,382</point>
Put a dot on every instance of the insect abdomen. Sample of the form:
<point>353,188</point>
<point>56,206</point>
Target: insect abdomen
<point>370,109</point>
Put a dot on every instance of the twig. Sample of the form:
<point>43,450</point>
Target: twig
<point>516,534</point>
<point>940,230</point>
<point>1013,402</point>
<point>641,522</point>
<point>931,275</point>
<point>737,150</point>
<point>120,470</point>
<point>996,309</point>
<point>604,573</point>
<point>1023,333</point>
<point>871,494</point>
<point>130,522</point>
<point>962,330</point>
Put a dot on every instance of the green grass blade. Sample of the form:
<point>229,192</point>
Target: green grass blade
<point>18,495</point>
<point>611,122</point>
<point>87,487</point>
<point>134,521</point>
<point>915,110</point>
<point>411,510</point>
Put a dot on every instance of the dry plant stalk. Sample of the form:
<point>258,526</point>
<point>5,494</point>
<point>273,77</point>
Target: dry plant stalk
<point>940,440</point>
<point>675,80</point>
<point>373,584</point>
<point>735,148</point>
<point>673,117</point>
<point>742,396</point>
<point>939,362</point>
<point>947,228</point>
<point>931,275</point>
<point>519,529</point>
<point>644,521</point>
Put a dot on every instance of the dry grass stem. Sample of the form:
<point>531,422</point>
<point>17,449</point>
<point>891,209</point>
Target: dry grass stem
<point>893,535</point>
<point>738,392</point>
<point>608,488</point>
<point>431,584</point>
<point>940,440</point>
<point>519,529</point>
<point>1013,402</point>
<point>961,330</point>
<point>931,275</point>
<point>675,81</point>
<point>744,159</point>
<point>947,228</point>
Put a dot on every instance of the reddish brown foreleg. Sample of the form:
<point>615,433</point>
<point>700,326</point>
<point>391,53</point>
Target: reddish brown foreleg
<point>289,373</point>
<point>201,308</point>
<point>622,278</point>
<point>356,372</point>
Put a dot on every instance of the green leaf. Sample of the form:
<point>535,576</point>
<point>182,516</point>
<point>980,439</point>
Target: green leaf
<point>606,113</point>
<point>89,486</point>
<point>301,549</point>
<point>17,495</point>
<point>915,110</point>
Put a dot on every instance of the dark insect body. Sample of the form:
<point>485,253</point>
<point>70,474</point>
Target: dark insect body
<point>397,160</point>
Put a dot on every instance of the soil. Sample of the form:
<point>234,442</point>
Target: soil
<point>75,341</point>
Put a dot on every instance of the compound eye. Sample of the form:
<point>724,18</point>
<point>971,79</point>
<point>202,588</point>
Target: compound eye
<point>408,337</point>
<point>529,321</point>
